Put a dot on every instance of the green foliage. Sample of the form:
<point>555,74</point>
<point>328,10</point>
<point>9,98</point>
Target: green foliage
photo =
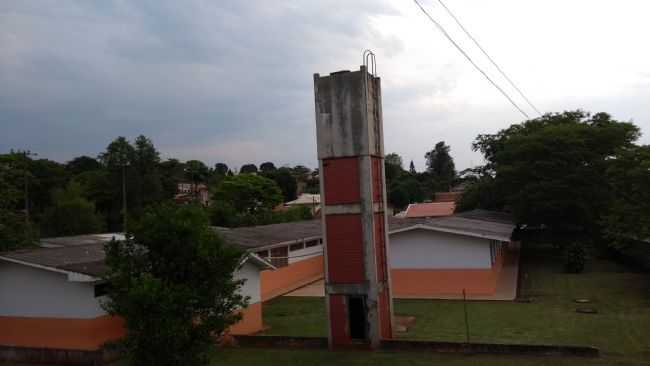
<point>15,232</point>
<point>393,167</point>
<point>71,213</point>
<point>248,193</point>
<point>482,193</point>
<point>441,166</point>
<point>172,281</point>
<point>285,180</point>
<point>248,169</point>
<point>82,164</point>
<point>628,216</point>
<point>221,169</point>
<point>575,258</point>
<point>551,170</point>
<point>267,167</point>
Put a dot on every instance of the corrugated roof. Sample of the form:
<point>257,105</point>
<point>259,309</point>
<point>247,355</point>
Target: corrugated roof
<point>485,215</point>
<point>62,258</point>
<point>471,227</point>
<point>74,256</point>
<point>430,209</point>
<point>268,235</point>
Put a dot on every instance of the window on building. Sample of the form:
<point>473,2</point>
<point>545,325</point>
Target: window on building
<point>312,243</point>
<point>263,253</point>
<point>280,256</point>
<point>297,246</point>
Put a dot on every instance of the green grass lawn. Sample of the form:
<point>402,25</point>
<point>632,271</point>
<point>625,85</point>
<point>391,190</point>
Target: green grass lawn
<point>621,329</point>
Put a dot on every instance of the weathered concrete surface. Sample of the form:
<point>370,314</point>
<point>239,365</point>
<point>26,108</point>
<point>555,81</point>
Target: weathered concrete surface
<point>350,150</point>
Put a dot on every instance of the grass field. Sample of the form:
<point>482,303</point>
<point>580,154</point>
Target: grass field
<point>621,329</point>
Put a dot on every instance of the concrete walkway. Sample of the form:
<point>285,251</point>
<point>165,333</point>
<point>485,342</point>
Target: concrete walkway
<point>506,284</point>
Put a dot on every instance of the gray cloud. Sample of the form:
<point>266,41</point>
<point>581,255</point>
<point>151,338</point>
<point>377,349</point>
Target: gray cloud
<point>221,80</point>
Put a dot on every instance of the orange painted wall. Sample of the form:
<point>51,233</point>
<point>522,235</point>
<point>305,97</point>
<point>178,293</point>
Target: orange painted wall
<point>282,280</point>
<point>251,321</point>
<point>425,282</point>
<point>80,334</point>
<point>90,334</point>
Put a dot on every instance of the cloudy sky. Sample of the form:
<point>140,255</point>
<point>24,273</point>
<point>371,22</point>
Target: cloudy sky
<point>232,81</point>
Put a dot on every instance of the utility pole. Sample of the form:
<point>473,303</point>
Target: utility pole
<point>124,196</point>
<point>26,154</point>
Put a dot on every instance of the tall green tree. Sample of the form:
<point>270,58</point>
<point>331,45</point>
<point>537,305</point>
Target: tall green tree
<point>627,218</point>
<point>15,231</point>
<point>146,163</point>
<point>172,172</point>
<point>552,170</point>
<point>172,281</point>
<point>441,166</point>
<point>118,161</point>
<point>392,167</point>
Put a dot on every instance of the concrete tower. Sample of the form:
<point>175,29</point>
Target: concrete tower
<point>351,156</point>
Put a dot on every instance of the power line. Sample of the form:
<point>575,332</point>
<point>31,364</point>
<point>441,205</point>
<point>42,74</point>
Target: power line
<point>444,32</point>
<point>488,57</point>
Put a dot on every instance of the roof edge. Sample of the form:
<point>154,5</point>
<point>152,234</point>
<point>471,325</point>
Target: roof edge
<point>72,276</point>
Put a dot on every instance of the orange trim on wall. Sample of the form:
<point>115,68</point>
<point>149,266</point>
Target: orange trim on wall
<point>251,321</point>
<point>430,282</point>
<point>79,334</point>
<point>285,279</point>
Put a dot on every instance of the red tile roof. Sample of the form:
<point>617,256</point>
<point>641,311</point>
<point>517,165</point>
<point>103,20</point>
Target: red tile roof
<point>433,209</point>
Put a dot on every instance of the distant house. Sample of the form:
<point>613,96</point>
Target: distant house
<point>430,209</point>
<point>188,192</point>
<point>429,257</point>
<point>50,297</point>
<point>312,201</point>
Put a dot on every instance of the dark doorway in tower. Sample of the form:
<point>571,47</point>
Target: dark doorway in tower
<point>357,317</point>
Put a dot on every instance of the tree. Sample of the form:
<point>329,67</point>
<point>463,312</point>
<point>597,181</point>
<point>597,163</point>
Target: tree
<point>412,168</point>
<point>248,193</point>
<point>285,181</point>
<point>392,167</point>
<point>15,232</point>
<point>71,213</point>
<point>196,171</point>
<point>552,170</point>
<point>440,165</point>
<point>267,167</point>
<point>119,153</point>
<point>221,169</point>
<point>628,215</point>
<point>172,172</point>
<point>146,162</point>
<point>82,164</point>
<point>248,169</point>
<point>172,281</point>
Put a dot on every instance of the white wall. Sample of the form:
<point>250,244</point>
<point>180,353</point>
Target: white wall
<point>425,249</point>
<point>251,287</point>
<point>32,292</point>
<point>305,253</point>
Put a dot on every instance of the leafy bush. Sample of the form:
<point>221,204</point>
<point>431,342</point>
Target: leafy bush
<point>172,281</point>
